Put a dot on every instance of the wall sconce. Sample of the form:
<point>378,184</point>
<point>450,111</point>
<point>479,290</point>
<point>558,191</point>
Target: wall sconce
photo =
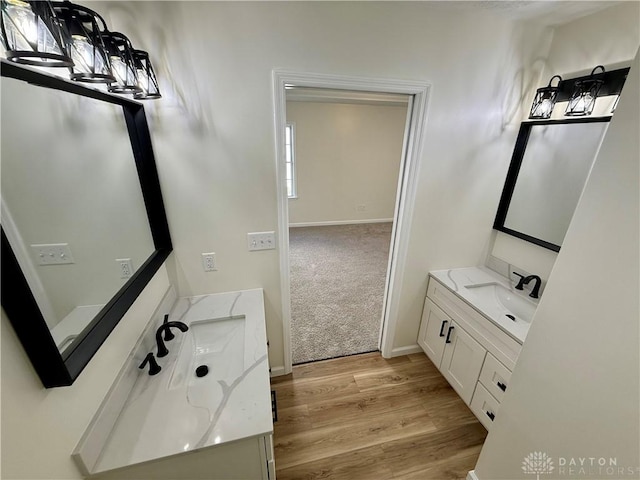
<point>146,77</point>
<point>32,34</point>
<point>122,64</point>
<point>545,100</point>
<point>584,96</point>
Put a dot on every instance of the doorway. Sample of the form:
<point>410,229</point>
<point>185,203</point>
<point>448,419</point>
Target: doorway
<point>406,189</point>
<point>343,152</point>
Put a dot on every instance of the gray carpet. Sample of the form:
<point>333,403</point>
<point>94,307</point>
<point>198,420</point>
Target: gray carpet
<point>337,286</point>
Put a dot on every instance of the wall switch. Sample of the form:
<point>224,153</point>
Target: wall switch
<point>261,241</point>
<point>52,254</point>
<point>209,262</point>
<point>125,266</point>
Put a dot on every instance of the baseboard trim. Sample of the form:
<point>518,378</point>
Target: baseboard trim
<point>277,371</point>
<point>409,349</point>
<point>472,475</point>
<point>340,222</point>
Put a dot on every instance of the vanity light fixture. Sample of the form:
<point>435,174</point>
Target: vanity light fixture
<point>584,96</point>
<point>146,77</point>
<point>122,64</point>
<point>63,34</point>
<point>85,30</point>
<point>32,34</point>
<point>545,100</point>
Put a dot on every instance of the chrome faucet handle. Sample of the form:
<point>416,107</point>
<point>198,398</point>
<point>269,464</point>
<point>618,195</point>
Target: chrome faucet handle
<point>154,368</point>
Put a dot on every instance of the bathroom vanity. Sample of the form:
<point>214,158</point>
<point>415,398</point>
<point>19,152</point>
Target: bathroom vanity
<point>473,326</point>
<point>176,424</point>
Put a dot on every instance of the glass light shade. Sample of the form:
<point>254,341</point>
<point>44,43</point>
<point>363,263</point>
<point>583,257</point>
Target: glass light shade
<point>32,34</point>
<point>146,77</point>
<point>583,99</point>
<point>85,28</point>
<point>545,100</point>
<point>123,66</point>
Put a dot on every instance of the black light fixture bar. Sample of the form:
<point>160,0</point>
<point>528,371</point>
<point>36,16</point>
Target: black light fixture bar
<point>613,83</point>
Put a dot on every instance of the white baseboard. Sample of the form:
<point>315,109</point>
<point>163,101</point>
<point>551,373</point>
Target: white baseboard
<point>472,475</point>
<point>340,222</point>
<point>277,371</point>
<point>399,351</point>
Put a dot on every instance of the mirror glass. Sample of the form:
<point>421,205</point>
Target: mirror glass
<point>72,205</point>
<point>549,169</point>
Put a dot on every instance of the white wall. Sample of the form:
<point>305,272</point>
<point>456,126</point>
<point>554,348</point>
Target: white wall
<point>347,156</point>
<point>41,427</point>
<point>610,38</point>
<point>213,131</point>
<point>575,389</point>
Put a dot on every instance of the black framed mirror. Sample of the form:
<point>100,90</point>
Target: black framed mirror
<point>549,168</point>
<point>113,177</point>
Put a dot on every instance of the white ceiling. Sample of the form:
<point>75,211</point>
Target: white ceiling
<point>549,12</point>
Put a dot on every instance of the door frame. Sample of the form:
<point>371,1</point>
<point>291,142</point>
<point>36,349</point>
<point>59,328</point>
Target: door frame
<point>405,195</point>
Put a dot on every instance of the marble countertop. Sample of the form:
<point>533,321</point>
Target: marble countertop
<point>160,419</point>
<point>457,279</point>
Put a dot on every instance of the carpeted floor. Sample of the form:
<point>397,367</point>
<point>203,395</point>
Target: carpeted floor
<point>337,286</point>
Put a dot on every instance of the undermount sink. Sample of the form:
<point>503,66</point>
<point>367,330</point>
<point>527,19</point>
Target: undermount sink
<point>218,345</point>
<point>513,304</point>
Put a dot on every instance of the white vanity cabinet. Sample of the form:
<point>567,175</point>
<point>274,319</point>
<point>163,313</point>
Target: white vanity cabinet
<point>472,353</point>
<point>456,354</point>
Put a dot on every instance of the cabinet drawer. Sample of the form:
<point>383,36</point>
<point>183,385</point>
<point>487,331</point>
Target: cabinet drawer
<point>484,406</point>
<point>495,377</point>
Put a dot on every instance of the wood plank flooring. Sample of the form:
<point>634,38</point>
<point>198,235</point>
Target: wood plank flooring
<point>365,417</point>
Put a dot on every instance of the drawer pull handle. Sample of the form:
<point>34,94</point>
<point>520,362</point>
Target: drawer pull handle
<point>491,415</point>
<point>448,340</point>
<point>502,386</point>
<point>444,323</point>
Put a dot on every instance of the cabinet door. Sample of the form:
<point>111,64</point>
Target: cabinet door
<point>462,361</point>
<point>433,329</point>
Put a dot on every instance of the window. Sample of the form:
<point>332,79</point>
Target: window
<point>290,160</point>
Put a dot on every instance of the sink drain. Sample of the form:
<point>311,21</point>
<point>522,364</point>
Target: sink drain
<point>511,317</point>
<point>202,370</point>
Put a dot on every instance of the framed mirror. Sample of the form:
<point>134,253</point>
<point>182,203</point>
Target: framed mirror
<point>549,168</point>
<point>83,221</point>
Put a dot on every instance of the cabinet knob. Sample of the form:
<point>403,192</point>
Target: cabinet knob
<point>448,340</point>
<point>502,386</point>
<point>444,323</point>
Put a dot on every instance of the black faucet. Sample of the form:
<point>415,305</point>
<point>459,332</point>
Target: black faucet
<point>162,349</point>
<point>154,368</point>
<point>535,291</point>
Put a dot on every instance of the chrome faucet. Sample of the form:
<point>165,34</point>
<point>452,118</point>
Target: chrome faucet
<point>162,348</point>
<point>535,291</point>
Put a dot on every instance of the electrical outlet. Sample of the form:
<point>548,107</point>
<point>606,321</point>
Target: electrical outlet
<point>209,262</point>
<point>52,254</point>
<point>125,266</point>
<point>261,241</point>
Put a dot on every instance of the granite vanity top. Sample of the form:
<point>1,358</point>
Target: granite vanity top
<point>162,417</point>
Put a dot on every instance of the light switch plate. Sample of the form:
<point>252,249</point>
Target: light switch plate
<point>261,241</point>
<point>52,254</point>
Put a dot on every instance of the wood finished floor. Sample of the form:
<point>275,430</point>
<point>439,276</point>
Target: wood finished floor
<point>370,418</point>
